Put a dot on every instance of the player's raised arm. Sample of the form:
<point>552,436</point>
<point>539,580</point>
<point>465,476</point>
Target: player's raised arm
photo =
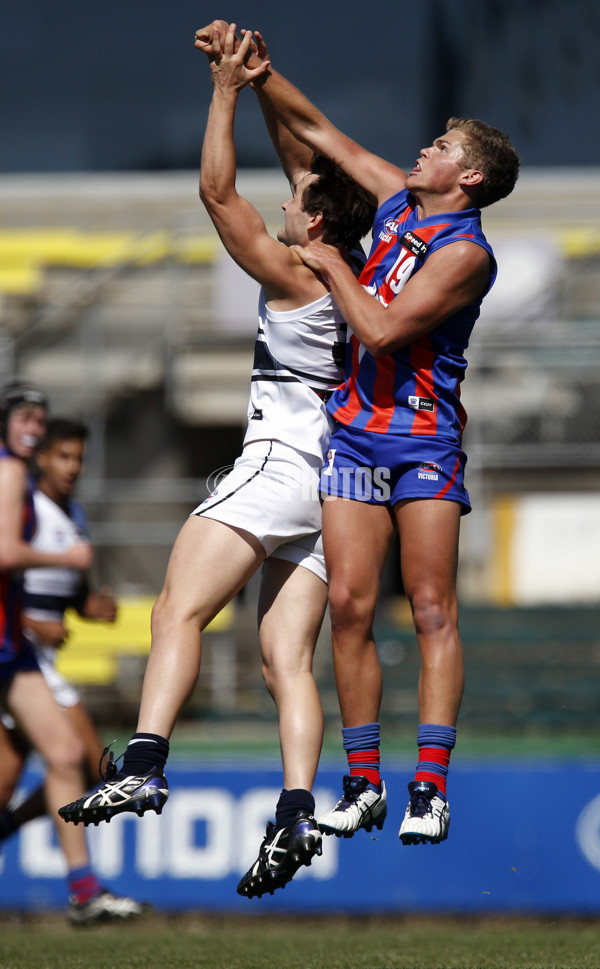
<point>240,227</point>
<point>295,156</point>
<point>310,126</point>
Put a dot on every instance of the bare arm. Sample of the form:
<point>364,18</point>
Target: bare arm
<point>294,155</point>
<point>240,226</point>
<point>310,126</point>
<point>452,278</point>
<point>15,552</point>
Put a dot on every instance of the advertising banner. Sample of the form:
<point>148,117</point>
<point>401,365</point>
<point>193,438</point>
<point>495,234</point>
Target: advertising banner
<point>523,839</point>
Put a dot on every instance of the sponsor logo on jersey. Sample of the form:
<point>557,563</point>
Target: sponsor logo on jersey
<point>390,229</point>
<point>257,415</point>
<point>415,245</point>
<point>429,471</point>
<point>421,403</point>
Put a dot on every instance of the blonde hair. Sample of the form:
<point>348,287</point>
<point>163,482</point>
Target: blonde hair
<point>489,151</point>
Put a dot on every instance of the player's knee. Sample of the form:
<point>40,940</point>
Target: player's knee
<point>347,607</point>
<point>160,616</point>
<point>68,755</point>
<point>165,617</point>
<point>432,611</point>
<point>170,614</point>
<point>268,675</point>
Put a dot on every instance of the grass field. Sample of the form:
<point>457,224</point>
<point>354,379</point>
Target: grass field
<point>231,942</point>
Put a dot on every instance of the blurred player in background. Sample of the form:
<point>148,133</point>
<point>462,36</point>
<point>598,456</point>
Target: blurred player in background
<point>267,511</point>
<point>396,460</point>
<point>24,692</point>
<point>49,592</point>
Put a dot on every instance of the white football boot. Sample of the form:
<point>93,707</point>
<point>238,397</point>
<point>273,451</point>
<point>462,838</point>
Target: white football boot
<point>359,807</point>
<point>427,816</point>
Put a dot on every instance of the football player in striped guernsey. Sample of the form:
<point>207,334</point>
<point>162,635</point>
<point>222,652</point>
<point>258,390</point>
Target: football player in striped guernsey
<point>396,461</point>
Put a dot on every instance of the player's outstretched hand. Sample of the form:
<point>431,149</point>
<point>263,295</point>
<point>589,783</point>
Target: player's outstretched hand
<point>259,46</point>
<point>228,65</point>
<point>205,36</point>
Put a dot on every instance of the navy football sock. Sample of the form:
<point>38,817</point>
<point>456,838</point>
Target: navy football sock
<point>145,751</point>
<point>289,803</point>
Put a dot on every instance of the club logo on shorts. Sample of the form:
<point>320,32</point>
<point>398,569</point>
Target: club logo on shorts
<point>328,470</point>
<point>429,471</point>
<point>421,403</point>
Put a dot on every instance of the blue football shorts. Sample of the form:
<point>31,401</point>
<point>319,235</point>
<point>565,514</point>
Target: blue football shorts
<point>25,661</point>
<point>388,468</point>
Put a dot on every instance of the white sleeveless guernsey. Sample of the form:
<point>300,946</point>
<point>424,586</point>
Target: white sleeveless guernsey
<point>298,362</point>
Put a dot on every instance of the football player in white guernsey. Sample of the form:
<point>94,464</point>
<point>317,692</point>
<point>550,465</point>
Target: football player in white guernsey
<point>267,511</point>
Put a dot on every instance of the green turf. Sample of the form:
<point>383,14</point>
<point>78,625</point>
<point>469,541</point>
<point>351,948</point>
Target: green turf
<point>233,942</point>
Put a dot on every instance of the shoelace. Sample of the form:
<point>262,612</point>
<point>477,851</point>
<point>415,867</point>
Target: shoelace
<point>107,773</point>
<point>349,798</point>
<point>420,805</point>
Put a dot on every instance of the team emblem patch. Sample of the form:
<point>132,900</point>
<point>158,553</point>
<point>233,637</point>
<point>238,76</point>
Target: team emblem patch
<point>390,229</point>
<point>429,471</point>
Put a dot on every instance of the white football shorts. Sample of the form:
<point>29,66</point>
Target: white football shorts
<point>272,491</point>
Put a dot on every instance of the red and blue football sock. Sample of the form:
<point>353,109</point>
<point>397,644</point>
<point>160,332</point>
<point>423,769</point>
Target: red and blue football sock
<point>435,743</point>
<point>83,884</point>
<point>362,748</point>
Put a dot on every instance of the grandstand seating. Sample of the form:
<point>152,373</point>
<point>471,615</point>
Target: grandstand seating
<point>108,290</point>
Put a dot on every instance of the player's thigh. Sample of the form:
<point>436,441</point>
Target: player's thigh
<point>210,562</point>
<point>356,538</point>
<point>38,715</point>
<point>429,532</point>
<point>291,607</point>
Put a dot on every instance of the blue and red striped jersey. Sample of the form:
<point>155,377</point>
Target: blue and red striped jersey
<point>416,389</point>
<point>11,585</point>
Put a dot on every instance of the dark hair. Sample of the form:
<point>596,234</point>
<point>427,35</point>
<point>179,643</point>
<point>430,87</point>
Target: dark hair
<point>348,211</point>
<point>489,151</point>
<point>19,393</point>
<point>62,429</point>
